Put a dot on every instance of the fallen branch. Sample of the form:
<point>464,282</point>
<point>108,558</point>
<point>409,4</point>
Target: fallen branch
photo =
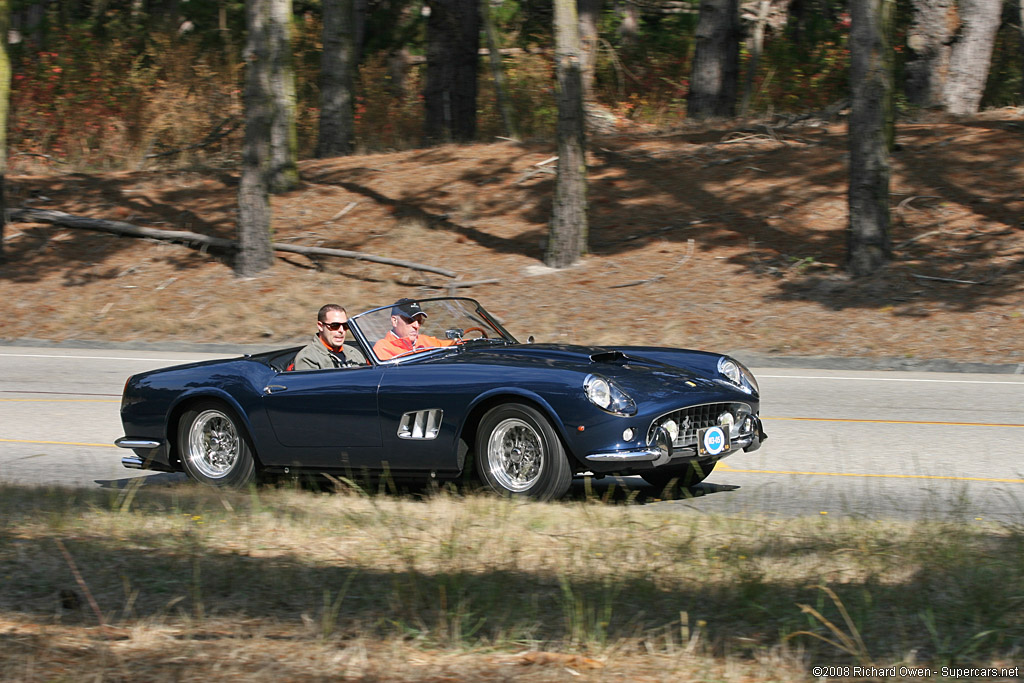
<point>41,156</point>
<point>187,237</point>
<point>949,279</point>
<point>351,205</point>
<point>910,241</point>
<point>638,282</point>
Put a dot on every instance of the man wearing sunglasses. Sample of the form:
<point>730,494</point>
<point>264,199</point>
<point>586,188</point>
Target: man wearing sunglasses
<point>328,349</point>
<point>405,337</point>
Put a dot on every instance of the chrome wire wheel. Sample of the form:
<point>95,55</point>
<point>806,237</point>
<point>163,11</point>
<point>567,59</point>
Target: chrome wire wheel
<point>214,444</point>
<point>515,453</point>
<point>519,453</point>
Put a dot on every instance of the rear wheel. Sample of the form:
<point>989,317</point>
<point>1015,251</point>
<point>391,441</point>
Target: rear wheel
<point>214,446</point>
<point>518,453</point>
<point>666,479</point>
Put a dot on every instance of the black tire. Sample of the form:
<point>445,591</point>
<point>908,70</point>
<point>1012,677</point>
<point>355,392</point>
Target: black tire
<point>518,453</point>
<point>214,446</point>
<point>667,479</point>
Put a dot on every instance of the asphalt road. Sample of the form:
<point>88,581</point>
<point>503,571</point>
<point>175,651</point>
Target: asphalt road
<point>843,442</point>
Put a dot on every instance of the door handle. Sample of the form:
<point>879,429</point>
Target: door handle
<point>271,388</point>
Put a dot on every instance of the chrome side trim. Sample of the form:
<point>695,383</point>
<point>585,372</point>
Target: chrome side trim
<point>129,442</point>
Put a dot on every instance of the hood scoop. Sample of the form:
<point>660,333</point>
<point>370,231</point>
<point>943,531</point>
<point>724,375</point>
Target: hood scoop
<point>609,357</point>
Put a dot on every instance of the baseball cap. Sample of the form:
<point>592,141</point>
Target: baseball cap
<point>407,308</point>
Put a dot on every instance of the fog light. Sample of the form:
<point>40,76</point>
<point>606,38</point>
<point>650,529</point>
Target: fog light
<point>672,428</point>
<point>627,434</point>
<point>728,424</point>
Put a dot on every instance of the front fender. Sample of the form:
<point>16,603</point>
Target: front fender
<point>488,399</point>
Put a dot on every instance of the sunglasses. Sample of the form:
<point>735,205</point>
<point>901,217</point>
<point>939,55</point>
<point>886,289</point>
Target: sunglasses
<point>333,327</point>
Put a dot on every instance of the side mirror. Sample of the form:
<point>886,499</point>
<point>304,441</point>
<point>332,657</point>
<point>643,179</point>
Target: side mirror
<point>529,340</point>
<point>454,333</point>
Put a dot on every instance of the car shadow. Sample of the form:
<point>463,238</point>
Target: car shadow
<point>160,479</point>
<point>634,490</point>
<point>609,490</point>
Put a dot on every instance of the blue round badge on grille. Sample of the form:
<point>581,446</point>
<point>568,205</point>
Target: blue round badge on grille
<point>714,440</point>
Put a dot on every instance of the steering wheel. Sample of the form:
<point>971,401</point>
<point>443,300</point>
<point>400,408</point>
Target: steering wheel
<point>482,331</point>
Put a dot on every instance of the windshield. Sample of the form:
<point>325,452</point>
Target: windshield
<point>447,321</point>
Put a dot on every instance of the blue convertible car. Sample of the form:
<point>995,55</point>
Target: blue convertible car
<point>523,417</point>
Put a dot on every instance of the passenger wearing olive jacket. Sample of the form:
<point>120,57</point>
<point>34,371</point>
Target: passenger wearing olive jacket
<point>328,348</point>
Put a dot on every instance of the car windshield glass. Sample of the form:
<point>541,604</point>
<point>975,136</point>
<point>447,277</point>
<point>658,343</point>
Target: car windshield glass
<point>447,320</point>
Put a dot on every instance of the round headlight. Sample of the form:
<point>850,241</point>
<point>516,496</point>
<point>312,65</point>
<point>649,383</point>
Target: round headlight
<point>599,391</point>
<point>730,369</point>
<point>607,396</point>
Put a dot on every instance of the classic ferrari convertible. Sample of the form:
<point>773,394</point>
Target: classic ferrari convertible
<point>523,417</point>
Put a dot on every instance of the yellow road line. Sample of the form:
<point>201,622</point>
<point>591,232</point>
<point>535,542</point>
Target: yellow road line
<point>58,443</point>
<point>728,468</point>
<point>892,422</point>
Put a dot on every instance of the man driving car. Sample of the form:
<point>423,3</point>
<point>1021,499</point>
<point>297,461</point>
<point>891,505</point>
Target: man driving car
<point>404,335</point>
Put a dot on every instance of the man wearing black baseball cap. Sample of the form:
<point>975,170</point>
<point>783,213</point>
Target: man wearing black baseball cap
<point>404,336</point>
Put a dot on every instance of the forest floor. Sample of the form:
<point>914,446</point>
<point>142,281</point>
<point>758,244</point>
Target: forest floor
<point>728,237</point>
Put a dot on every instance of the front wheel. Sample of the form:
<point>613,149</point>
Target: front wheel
<point>214,446</point>
<point>518,453</point>
<point>665,479</point>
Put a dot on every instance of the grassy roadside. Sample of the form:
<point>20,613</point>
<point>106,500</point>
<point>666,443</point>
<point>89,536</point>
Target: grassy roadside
<point>278,584</point>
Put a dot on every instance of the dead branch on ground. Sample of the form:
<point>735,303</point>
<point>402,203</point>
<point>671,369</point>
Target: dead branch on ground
<point>187,237</point>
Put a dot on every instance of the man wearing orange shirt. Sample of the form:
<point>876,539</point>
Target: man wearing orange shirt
<point>404,336</point>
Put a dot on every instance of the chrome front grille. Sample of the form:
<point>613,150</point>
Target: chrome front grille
<point>695,418</point>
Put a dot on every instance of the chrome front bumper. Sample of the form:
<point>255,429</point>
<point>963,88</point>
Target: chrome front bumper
<point>659,455</point>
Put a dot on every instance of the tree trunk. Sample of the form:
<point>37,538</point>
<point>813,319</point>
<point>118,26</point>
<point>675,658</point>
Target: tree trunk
<point>972,55</point>
<point>755,46</point>
<point>1020,26</point>
<point>284,145</point>
<point>629,23</point>
<point>929,38</point>
<point>5,100</point>
<point>588,10</point>
<point>497,71</point>
<point>254,252</point>
<point>715,72</point>
<point>453,44</point>
<point>337,63</point>
<point>567,239</point>
<point>868,245</point>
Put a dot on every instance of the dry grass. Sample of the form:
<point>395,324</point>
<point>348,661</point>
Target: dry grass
<point>283,584</point>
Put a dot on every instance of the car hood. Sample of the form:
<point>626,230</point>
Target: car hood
<point>650,370</point>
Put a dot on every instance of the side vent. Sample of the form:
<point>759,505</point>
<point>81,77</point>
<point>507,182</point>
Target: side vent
<point>421,424</point>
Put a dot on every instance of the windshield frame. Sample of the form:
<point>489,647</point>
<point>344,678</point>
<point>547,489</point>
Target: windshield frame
<point>366,326</point>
